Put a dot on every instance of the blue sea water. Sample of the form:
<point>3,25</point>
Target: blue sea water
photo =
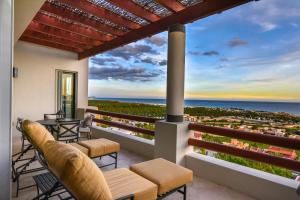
<point>288,107</point>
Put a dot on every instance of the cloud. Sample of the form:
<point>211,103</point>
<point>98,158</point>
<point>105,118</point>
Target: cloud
<point>262,80</point>
<point>163,63</point>
<point>206,53</point>
<point>224,59</point>
<point>102,61</point>
<point>266,25</point>
<point>156,40</point>
<point>122,73</point>
<point>149,61</point>
<point>237,42</point>
<point>210,53</point>
<point>152,61</point>
<point>132,51</point>
<point>269,14</point>
<point>199,28</point>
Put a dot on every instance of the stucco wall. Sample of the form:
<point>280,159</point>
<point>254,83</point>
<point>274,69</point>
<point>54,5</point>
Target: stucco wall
<point>34,89</point>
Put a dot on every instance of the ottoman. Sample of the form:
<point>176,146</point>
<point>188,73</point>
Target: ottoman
<point>169,177</point>
<point>96,148</point>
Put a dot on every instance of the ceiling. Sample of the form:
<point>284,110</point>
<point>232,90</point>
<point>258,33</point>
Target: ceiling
<point>90,27</point>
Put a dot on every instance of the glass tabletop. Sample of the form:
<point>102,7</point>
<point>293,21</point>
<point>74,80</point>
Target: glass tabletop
<point>53,122</point>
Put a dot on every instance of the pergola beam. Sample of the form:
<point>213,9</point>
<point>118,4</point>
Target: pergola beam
<point>50,44</point>
<point>41,28</point>
<point>190,14</point>
<point>55,39</point>
<point>136,10</point>
<point>88,32</point>
<point>174,6</point>
<point>64,13</point>
<point>98,11</point>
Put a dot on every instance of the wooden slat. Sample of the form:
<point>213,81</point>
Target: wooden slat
<point>35,26</point>
<point>98,11</point>
<point>51,21</point>
<point>136,10</point>
<point>55,39</point>
<point>256,156</point>
<point>254,137</point>
<point>64,13</point>
<point>172,5</point>
<point>124,116</point>
<point>189,14</point>
<point>50,44</point>
<point>125,126</point>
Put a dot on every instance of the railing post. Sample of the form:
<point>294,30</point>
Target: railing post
<point>171,141</point>
<point>171,136</point>
<point>80,113</point>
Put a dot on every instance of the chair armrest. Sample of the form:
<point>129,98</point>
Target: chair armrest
<point>130,197</point>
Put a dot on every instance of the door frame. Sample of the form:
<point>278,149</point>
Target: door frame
<point>58,88</point>
<point>6,60</point>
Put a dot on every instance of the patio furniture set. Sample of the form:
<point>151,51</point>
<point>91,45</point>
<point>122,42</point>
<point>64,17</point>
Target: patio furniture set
<point>72,174</point>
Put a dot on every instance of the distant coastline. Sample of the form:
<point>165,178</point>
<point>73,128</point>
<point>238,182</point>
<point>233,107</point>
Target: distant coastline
<point>287,107</point>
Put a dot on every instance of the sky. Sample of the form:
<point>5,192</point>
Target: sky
<point>251,52</point>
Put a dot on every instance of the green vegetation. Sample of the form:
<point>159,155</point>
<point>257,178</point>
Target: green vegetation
<point>129,108</point>
<point>159,111</point>
<point>256,165</point>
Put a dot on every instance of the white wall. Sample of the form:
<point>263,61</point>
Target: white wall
<point>34,89</point>
<point>24,11</point>
<point>255,183</point>
<point>5,96</point>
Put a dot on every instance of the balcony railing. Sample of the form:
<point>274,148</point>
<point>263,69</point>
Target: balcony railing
<point>243,135</point>
<point>124,126</point>
<point>254,137</point>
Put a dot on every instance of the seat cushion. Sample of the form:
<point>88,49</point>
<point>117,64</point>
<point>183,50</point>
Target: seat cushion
<point>163,173</point>
<point>124,182</point>
<point>81,148</point>
<point>84,130</point>
<point>100,147</point>
<point>36,133</point>
<point>79,174</point>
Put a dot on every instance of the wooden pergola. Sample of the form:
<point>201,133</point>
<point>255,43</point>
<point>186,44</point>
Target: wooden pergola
<point>90,27</point>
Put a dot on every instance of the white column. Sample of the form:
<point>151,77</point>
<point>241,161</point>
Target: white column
<point>175,73</point>
<point>5,96</point>
<point>171,136</point>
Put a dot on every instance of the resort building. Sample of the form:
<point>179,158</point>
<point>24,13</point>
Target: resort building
<point>45,46</point>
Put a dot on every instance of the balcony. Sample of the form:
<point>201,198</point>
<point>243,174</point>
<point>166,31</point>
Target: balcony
<point>206,188</point>
<point>52,37</point>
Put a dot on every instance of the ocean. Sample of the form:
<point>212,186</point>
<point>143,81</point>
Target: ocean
<point>288,107</point>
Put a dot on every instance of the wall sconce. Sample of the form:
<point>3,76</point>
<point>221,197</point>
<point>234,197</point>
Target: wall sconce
<point>15,72</point>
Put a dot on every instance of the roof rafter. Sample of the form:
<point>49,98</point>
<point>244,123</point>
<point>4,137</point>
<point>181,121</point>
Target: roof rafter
<point>175,6</point>
<point>48,7</point>
<point>50,44</point>
<point>41,28</point>
<point>98,11</point>
<point>55,39</point>
<point>188,15</point>
<point>51,21</point>
<point>136,10</point>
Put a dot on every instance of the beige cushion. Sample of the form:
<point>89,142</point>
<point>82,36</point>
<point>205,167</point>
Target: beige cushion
<point>99,147</point>
<point>81,148</point>
<point>79,174</point>
<point>36,133</point>
<point>123,182</point>
<point>163,173</point>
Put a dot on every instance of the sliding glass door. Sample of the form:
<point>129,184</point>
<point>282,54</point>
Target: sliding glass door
<point>67,92</point>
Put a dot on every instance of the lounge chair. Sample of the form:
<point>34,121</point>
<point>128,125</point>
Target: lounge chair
<point>95,148</point>
<point>84,180</point>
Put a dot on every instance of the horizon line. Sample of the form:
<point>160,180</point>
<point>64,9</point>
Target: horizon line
<point>206,99</point>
